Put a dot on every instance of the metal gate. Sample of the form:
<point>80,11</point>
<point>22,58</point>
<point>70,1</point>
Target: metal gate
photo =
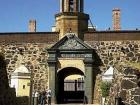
<point>73,91</point>
<point>73,85</point>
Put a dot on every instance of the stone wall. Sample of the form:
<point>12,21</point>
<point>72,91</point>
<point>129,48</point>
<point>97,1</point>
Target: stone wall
<point>126,88</point>
<point>7,94</point>
<point>116,52</point>
<point>33,56</point>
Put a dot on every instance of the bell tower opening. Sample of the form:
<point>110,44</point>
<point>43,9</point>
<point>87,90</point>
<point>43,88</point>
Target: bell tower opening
<point>71,5</point>
<point>71,18</point>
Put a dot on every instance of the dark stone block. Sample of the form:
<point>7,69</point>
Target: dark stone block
<point>118,58</point>
<point>102,43</point>
<point>104,54</point>
<point>29,52</point>
<point>105,61</point>
<point>126,104</point>
<point>12,52</point>
<point>136,92</point>
<point>43,60</point>
<point>37,75</point>
<point>130,54</point>
<point>117,47</point>
<point>31,67</point>
<point>7,61</point>
<point>8,51</point>
<point>137,54</point>
<point>123,95</point>
<point>130,77</point>
<point>110,58</point>
<point>138,83</point>
<point>113,47</point>
<point>132,103</point>
<point>111,63</point>
<point>129,71</point>
<point>127,50</point>
<point>136,46</point>
<point>8,56</point>
<point>34,52</point>
<point>109,47</point>
<point>39,59</point>
<point>29,63</point>
<point>130,45</point>
<point>112,50</point>
<point>126,84</point>
<point>132,49</point>
<point>134,59</point>
<point>134,80</point>
<point>138,59</point>
<point>13,48</point>
<point>137,99</point>
<point>42,53</point>
<point>10,69</point>
<point>13,62</point>
<point>127,59</point>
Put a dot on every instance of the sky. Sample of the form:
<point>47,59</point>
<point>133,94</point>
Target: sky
<point>15,14</point>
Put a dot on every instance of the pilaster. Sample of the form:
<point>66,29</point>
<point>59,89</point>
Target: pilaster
<point>88,83</point>
<point>52,80</point>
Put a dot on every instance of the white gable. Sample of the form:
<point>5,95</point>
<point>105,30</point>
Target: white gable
<point>108,75</point>
<point>21,69</point>
<point>110,71</point>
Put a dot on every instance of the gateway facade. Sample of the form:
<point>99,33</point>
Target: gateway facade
<point>73,49</point>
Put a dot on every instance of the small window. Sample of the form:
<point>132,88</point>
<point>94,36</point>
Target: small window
<point>23,86</point>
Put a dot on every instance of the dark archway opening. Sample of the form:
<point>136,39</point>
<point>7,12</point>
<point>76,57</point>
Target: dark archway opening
<point>70,87</point>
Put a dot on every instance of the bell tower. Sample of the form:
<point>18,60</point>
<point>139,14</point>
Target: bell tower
<point>72,18</point>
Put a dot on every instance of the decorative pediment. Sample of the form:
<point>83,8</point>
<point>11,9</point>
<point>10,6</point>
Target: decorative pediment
<point>71,46</point>
<point>70,41</point>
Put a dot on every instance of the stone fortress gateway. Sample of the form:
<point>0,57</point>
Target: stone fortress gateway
<point>79,51</point>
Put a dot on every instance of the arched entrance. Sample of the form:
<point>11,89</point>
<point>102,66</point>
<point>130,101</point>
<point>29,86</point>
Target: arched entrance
<point>70,85</point>
<point>75,57</point>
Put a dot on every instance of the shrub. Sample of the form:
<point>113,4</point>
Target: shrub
<point>105,87</point>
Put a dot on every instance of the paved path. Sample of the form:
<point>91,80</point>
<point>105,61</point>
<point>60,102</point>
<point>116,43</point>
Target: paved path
<point>74,104</point>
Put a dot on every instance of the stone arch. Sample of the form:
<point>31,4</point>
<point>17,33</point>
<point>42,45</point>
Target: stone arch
<point>61,75</point>
<point>64,72</point>
<point>77,64</point>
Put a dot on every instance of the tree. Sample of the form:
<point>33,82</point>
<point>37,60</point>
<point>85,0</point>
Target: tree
<point>105,87</point>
